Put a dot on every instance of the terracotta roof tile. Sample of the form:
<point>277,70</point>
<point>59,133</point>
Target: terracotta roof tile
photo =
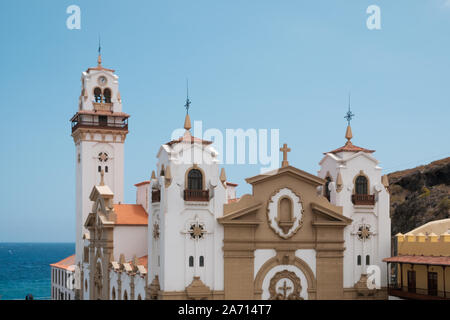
<point>142,183</point>
<point>349,147</point>
<point>142,261</point>
<point>432,260</point>
<point>64,263</point>
<point>131,214</point>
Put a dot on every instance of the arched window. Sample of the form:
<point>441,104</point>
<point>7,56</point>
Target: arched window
<point>285,210</point>
<point>326,191</point>
<point>201,261</point>
<point>361,185</point>
<point>98,94</point>
<point>107,95</point>
<point>125,295</point>
<point>359,260</point>
<point>139,297</point>
<point>367,260</point>
<point>191,261</point>
<point>195,180</point>
<point>113,294</point>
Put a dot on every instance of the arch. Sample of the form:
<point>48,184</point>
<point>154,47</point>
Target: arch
<point>113,294</point>
<point>326,191</point>
<point>85,285</point>
<point>285,206</point>
<point>195,178</point>
<point>191,261</point>
<point>98,280</point>
<point>273,262</point>
<point>359,180</point>
<point>107,95</point>
<point>201,261</point>
<point>361,185</point>
<point>97,94</point>
<point>125,295</point>
<point>139,297</point>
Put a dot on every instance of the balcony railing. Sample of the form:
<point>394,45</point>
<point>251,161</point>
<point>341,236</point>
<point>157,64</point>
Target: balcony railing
<point>363,199</point>
<point>196,195</point>
<point>98,125</point>
<point>417,293</point>
<point>103,106</point>
<point>156,196</point>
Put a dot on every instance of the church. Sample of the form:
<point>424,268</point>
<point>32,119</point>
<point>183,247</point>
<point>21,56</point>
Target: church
<point>297,236</point>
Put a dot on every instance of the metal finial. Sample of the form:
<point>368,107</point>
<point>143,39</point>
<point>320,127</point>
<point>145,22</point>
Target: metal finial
<point>99,60</point>
<point>349,115</point>
<point>188,102</point>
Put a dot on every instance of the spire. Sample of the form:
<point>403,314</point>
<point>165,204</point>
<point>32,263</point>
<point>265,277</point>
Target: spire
<point>187,120</point>
<point>349,116</point>
<point>99,59</point>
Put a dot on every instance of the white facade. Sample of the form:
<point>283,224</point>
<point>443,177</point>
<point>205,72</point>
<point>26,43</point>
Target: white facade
<point>62,283</point>
<point>94,142</point>
<point>175,256</point>
<point>343,168</point>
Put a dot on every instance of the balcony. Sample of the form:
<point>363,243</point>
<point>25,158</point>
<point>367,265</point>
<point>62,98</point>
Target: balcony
<point>99,125</point>
<point>103,106</point>
<point>417,293</point>
<point>363,199</point>
<point>156,196</point>
<point>196,195</point>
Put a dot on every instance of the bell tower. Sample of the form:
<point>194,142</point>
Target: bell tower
<point>99,129</point>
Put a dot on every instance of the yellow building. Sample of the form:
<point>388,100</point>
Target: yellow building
<point>421,270</point>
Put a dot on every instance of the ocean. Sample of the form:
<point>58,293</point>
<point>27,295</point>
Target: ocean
<point>24,268</point>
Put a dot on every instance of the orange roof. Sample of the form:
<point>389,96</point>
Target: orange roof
<point>64,263</point>
<point>349,147</point>
<point>130,214</point>
<point>431,260</point>
<point>231,184</point>
<point>142,183</point>
<point>142,261</point>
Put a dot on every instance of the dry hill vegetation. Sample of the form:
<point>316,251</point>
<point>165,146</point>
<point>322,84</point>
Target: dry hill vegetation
<point>420,195</point>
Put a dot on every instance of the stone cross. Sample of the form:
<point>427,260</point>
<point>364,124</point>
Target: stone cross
<point>285,289</point>
<point>285,150</point>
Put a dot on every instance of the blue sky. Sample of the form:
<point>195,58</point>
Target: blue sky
<point>286,65</point>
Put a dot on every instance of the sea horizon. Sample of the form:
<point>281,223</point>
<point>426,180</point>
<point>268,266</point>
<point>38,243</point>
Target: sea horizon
<point>25,268</point>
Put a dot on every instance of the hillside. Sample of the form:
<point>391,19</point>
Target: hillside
<point>420,195</point>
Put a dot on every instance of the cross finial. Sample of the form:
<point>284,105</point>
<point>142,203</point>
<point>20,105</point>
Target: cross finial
<point>99,60</point>
<point>187,120</point>
<point>188,102</point>
<point>285,150</point>
<point>349,115</point>
<point>102,175</point>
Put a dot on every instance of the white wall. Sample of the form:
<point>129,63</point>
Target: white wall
<point>130,240</point>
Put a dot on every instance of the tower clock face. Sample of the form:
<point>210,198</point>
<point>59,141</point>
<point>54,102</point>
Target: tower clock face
<point>102,80</point>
